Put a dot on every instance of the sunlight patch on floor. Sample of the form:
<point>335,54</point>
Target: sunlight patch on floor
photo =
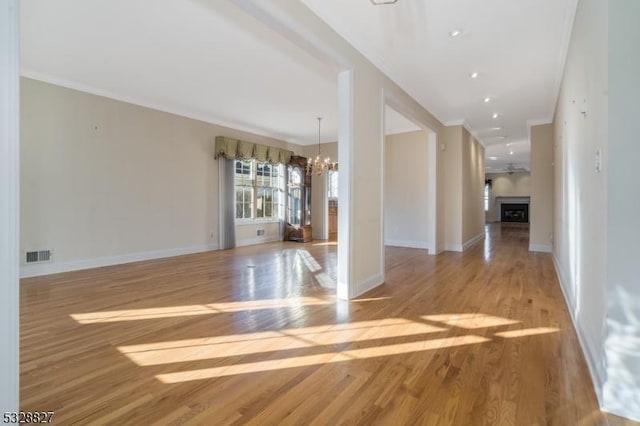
<point>325,358</point>
<point>208,309</point>
<point>526,332</point>
<point>309,261</point>
<point>273,341</point>
<point>192,310</point>
<point>325,280</point>
<point>470,320</point>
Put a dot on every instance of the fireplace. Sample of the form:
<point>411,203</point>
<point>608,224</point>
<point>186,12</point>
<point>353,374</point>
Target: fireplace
<point>511,212</point>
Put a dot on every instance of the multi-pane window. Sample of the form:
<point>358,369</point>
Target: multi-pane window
<point>486,196</point>
<point>332,185</point>
<point>268,187</point>
<point>258,190</point>
<point>244,189</point>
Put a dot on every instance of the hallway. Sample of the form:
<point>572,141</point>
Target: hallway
<point>254,335</point>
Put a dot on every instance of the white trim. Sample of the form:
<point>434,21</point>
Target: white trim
<point>596,378</point>
<point>464,123</point>
<point>453,247</point>
<point>251,221</point>
<point>368,284</point>
<point>9,204</point>
<point>473,133</point>
<point>407,244</point>
<point>473,241</point>
<point>465,246</point>
<point>27,271</point>
<point>507,199</point>
<point>257,240</point>
<point>544,248</point>
<point>538,122</point>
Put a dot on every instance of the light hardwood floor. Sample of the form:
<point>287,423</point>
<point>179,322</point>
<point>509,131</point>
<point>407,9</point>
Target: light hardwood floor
<point>254,335</point>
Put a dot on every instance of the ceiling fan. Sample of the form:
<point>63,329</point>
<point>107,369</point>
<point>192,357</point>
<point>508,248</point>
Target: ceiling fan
<point>511,169</point>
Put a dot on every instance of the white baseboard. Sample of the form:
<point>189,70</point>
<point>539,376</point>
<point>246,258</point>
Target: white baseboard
<point>27,271</point>
<point>473,241</point>
<point>545,248</point>
<point>407,244</point>
<point>468,244</point>
<point>368,284</point>
<point>453,247</point>
<point>257,240</point>
<point>436,250</point>
<point>596,377</point>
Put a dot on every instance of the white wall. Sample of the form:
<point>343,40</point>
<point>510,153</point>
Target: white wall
<point>463,163</point>
<point>9,194</point>
<point>596,224</point>
<point>452,181</point>
<point>579,244</point>
<point>541,207</point>
<point>472,190</point>
<point>506,185</point>
<point>406,186</point>
<point>363,90</point>
<point>247,234</point>
<point>621,393</point>
<point>105,181</point>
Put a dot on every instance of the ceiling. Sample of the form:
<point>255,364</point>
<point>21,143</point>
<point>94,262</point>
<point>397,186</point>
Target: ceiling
<point>202,59</point>
<point>516,47</point>
<point>209,60</point>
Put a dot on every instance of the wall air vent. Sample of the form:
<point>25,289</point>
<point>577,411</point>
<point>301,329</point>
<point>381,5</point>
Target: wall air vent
<point>38,256</point>
<point>260,232</point>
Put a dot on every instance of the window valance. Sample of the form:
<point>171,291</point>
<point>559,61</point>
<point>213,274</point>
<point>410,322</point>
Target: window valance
<point>238,149</point>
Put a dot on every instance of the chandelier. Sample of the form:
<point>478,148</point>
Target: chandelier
<point>320,165</point>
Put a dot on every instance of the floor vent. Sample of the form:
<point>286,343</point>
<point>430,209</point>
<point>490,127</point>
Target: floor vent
<point>38,256</point>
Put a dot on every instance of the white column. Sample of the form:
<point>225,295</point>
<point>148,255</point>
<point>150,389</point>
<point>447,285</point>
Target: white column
<point>435,236</point>
<point>9,204</point>
<point>345,184</point>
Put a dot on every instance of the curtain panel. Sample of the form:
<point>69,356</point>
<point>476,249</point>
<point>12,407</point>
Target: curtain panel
<point>236,149</point>
<point>226,205</point>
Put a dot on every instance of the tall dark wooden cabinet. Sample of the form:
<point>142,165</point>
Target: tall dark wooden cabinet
<point>298,209</point>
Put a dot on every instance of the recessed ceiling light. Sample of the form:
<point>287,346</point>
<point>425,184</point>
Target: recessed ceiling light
<point>487,99</point>
<point>474,75</point>
<point>455,33</point>
<point>496,128</point>
<point>502,137</point>
<point>379,2</point>
<point>495,115</point>
<point>493,158</point>
<point>510,152</point>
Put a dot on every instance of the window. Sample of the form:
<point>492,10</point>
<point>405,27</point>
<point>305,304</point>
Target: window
<point>487,187</point>
<point>332,185</point>
<point>294,216</point>
<point>258,190</point>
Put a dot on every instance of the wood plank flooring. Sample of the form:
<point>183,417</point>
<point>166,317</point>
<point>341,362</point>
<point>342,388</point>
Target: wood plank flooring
<point>254,335</point>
